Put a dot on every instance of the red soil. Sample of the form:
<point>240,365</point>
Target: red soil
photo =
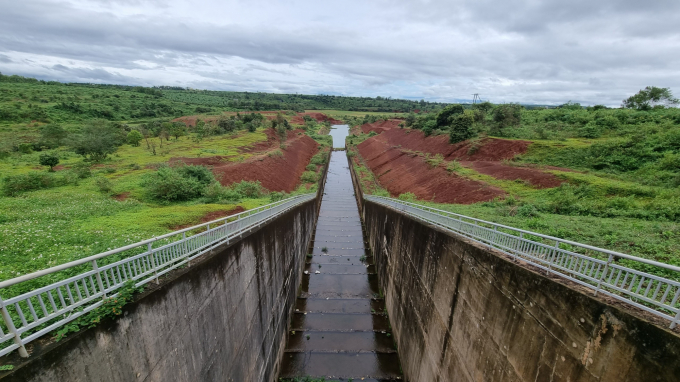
<point>498,170</point>
<point>319,117</point>
<point>381,126</point>
<point>212,216</point>
<point>276,173</point>
<point>400,173</point>
<point>488,148</point>
<point>122,197</point>
<point>387,156</point>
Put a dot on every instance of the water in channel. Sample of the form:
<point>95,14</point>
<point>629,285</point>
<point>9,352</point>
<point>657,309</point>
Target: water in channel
<point>339,329</point>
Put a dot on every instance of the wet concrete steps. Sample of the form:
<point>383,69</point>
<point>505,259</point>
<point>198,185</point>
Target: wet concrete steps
<point>339,329</point>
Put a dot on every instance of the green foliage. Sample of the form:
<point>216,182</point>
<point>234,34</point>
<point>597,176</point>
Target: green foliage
<point>134,137</point>
<point>408,197</point>
<point>111,308</point>
<point>650,97</point>
<point>13,185</point>
<point>445,116</point>
<point>319,158</point>
<point>309,177</point>
<point>170,184</point>
<point>104,185</point>
<point>53,134</point>
<point>508,114</point>
<point>97,140</point>
<point>311,167</point>
<point>461,127</point>
<point>49,160</point>
<point>6,367</point>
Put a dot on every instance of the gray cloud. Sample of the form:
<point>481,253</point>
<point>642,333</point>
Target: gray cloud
<point>516,50</point>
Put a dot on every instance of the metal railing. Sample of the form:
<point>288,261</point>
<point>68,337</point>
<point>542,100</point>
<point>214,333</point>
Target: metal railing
<point>35,313</point>
<point>592,267</point>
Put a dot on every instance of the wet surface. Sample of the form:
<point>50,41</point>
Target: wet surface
<point>339,329</point>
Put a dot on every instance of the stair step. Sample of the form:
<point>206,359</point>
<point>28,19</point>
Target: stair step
<point>339,321</point>
<point>340,342</point>
<point>379,366</point>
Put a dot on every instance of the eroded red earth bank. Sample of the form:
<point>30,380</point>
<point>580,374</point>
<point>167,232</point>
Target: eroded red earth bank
<point>393,157</point>
<point>276,172</point>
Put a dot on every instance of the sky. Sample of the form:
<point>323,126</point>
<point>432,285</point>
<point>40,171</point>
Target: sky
<point>527,51</point>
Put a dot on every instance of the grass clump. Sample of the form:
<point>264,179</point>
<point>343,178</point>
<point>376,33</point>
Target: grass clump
<point>309,176</point>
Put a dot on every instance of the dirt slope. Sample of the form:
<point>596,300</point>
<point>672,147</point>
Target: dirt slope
<point>399,173</point>
<point>275,172</point>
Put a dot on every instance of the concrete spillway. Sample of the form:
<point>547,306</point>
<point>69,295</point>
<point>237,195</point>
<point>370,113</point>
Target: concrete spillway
<point>339,328</point>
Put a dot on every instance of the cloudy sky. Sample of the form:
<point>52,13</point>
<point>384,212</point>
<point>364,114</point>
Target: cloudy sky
<point>530,51</point>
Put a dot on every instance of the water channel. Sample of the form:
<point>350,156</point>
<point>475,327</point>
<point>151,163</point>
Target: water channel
<point>339,329</point>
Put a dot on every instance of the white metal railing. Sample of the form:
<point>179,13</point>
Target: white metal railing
<point>33,314</point>
<point>590,266</point>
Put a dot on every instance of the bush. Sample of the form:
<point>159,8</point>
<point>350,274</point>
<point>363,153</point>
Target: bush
<point>319,158</point>
<point>49,160</point>
<point>97,140</point>
<point>104,185</point>
<point>81,170</point>
<point>408,197</point>
<point>16,184</point>
<point>311,167</point>
<point>590,130</point>
<point>508,115</point>
<point>134,137</point>
<point>461,128</point>
<point>447,113</point>
<point>178,184</point>
<point>309,177</point>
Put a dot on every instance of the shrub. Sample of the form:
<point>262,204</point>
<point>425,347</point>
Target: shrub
<point>249,189</point>
<point>309,176</point>
<point>461,128</point>
<point>447,113</point>
<point>434,161</point>
<point>16,184</point>
<point>104,185</point>
<point>176,184</point>
<point>311,167</point>
<point>590,130</point>
<point>318,159</point>
<point>453,166</point>
<point>81,170</point>
<point>49,160</point>
<point>134,137</point>
<point>508,114</point>
<point>408,197</point>
<point>25,148</point>
<point>97,140</point>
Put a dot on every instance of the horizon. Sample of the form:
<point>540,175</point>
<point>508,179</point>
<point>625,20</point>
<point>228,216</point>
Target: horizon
<point>518,51</point>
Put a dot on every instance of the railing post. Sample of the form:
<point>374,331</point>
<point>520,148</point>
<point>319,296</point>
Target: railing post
<point>604,273</point>
<point>12,329</point>
<point>676,320</point>
<point>153,261</point>
<point>99,277</point>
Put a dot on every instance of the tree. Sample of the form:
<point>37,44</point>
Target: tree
<point>134,137</point>
<point>53,133</point>
<point>447,112</point>
<point>178,130</point>
<point>97,140</point>
<point>461,127</point>
<point>49,160</point>
<point>508,114</point>
<point>650,97</point>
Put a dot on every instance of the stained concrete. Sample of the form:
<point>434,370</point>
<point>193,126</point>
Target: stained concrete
<point>462,312</point>
<point>223,319</point>
<point>339,329</point>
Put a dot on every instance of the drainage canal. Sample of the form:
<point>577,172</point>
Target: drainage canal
<point>340,329</point>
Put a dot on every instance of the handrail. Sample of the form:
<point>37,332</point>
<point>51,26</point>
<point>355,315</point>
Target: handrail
<point>35,313</point>
<point>655,294</point>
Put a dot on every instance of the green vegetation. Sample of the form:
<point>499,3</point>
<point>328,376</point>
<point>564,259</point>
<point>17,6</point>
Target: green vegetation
<point>623,195</point>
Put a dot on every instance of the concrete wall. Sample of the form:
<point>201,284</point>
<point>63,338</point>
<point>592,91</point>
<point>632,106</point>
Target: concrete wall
<point>223,319</point>
<point>461,312</point>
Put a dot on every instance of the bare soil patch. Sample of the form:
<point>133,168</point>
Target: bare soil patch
<point>399,173</point>
<point>122,197</point>
<point>319,117</point>
<point>380,126</point>
<point>499,170</point>
<point>276,172</point>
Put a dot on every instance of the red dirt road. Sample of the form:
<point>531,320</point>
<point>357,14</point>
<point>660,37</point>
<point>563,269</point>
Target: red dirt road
<point>276,173</point>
